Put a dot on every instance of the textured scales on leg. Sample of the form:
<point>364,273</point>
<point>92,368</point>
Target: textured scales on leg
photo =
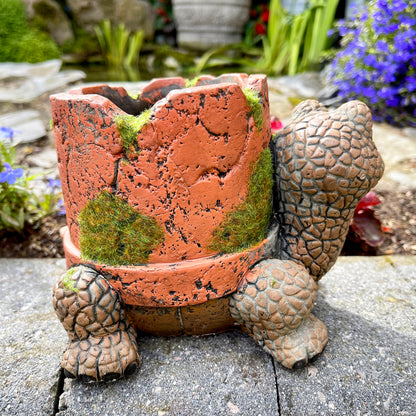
<point>102,346</point>
<point>274,304</point>
<point>325,162</point>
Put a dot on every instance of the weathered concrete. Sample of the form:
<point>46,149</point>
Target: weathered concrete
<point>367,368</point>
<point>32,339</point>
<point>222,374</point>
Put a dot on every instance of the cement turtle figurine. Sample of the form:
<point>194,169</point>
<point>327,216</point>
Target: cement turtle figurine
<point>186,217</point>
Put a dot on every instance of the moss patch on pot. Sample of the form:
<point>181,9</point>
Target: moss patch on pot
<point>247,224</point>
<point>253,100</point>
<point>130,126</point>
<point>114,233</point>
<point>68,283</point>
<point>191,82</point>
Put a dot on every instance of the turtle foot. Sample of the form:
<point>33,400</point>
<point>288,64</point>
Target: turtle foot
<point>102,345</point>
<point>274,306</point>
<point>102,358</point>
<point>300,346</point>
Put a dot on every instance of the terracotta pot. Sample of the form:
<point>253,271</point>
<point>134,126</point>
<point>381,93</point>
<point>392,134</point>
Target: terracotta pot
<point>205,24</point>
<point>197,151</point>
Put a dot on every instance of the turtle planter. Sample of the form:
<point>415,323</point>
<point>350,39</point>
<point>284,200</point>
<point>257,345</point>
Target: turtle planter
<point>184,217</point>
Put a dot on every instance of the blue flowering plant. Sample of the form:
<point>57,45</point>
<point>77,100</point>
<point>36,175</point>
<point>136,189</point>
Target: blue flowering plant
<point>19,203</point>
<point>377,63</point>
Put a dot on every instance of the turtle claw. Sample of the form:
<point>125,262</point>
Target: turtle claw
<point>102,358</point>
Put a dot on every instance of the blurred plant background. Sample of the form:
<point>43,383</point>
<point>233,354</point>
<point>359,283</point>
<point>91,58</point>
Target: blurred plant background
<point>21,202</point>
<point>366,52</point>
<point>371,54</point>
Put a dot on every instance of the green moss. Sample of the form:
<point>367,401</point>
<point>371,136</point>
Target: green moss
<point>19,41</point>
<point>247,224</point>
<point>191,82</point>
<point>130,126</point>
<point>114,233</point>
<point>253,100</point>
<point>134,96</point>
<point>68,283</point>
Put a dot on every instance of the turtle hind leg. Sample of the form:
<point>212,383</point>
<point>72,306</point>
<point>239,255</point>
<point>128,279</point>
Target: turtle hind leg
<point>102,346</point>
<point>274,306</point>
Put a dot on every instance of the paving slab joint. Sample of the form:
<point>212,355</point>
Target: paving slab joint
<point>59,390</point>
<point>277,386</point>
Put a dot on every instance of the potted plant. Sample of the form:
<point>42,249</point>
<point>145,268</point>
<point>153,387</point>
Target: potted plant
<point>173,225</point>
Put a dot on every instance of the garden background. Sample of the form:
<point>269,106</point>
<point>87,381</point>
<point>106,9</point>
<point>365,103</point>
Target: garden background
<point>366,52</point>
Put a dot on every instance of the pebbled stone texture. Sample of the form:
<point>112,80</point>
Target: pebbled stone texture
<point>274,305</point>
<point>368,367</point>
<point>325,162</point>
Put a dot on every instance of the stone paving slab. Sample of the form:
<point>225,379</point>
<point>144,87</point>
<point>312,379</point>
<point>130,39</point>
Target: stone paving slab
<point>223,374</point>
<point>32,339</point>
<point>368,366</point>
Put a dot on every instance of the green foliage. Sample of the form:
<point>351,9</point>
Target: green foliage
<point>18,41</point>
<point>130,126</point>
<point>247,224</point>
<point>295,42</point>
<point>83,46</point>
<point>253,100</point>
<point>114,233</point>
<point>119,46</point>
<point>240,55</point>
<point>19,203</point>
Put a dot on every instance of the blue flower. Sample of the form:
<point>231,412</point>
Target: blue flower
<point>378,61</point>
<point>382,46</point>
<point>60,207</point>
<point>6,133</point>
<point>54,184</point>
<point>10,175</point>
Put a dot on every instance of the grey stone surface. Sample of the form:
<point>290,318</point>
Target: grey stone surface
<point>368,366</point>
<point>303,86</point>
<point>398,150</point>
<point>23,82</point>
<point>27,125</point>
<point>32,339</point>
<point>53,17</point>
<point>225,374</point>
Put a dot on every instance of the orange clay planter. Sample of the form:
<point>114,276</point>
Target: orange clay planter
<point>194,164</point>
<point>169,211</point>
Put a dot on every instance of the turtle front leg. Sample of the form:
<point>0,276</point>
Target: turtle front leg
<point>102,346</point>
<point>274,306</point>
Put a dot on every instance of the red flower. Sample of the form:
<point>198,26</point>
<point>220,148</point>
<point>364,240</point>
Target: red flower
<point>259,29</point>
<point>275,124</point>
<point>368,201</point>
<point>265,16</point>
